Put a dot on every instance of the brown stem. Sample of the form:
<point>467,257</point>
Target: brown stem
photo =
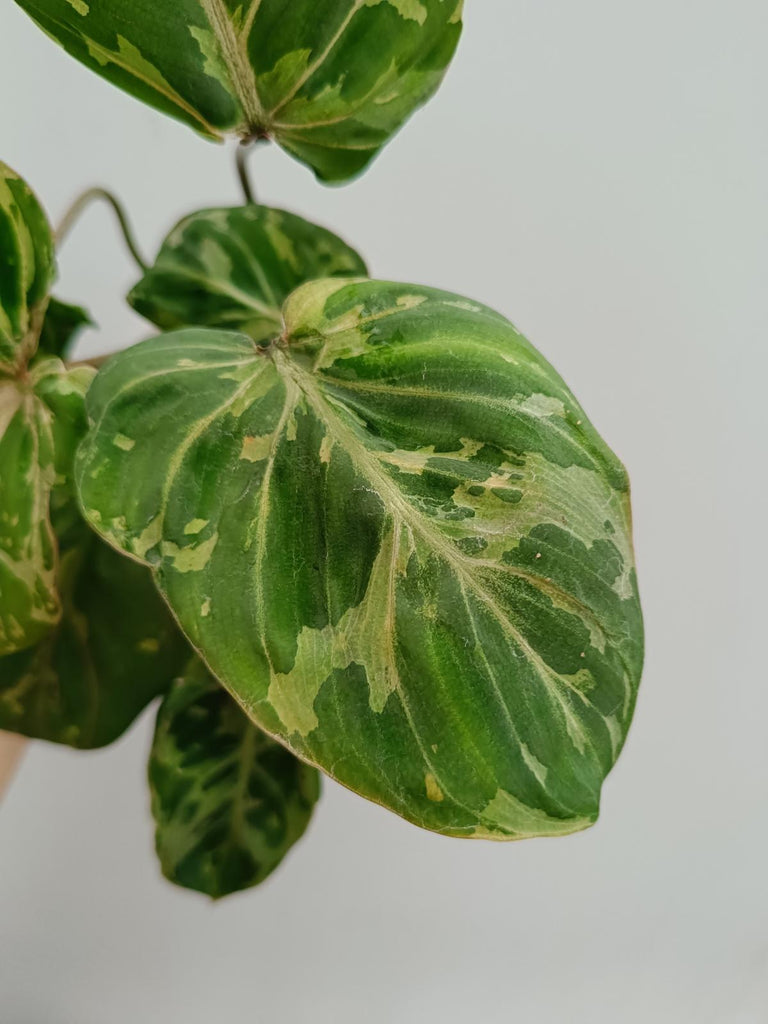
<point>82,203</point>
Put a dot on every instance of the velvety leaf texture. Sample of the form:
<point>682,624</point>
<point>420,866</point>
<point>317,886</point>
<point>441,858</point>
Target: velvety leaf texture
<point>229,802</point>
<point>26,270</point>
<point>234,268</point>
<point>330,80</point>
<point>398,541</point>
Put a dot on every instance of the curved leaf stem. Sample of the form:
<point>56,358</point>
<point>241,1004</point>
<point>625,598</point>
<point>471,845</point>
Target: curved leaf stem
<point>81,204</point>
<point>241,165</point>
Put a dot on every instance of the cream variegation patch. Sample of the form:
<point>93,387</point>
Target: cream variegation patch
<point>365,635</point>
<point>507,816</point>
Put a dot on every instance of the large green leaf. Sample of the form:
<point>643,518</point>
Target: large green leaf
<point>397,540</point>
<point>114,650</point>
<point>229,802</point>
<point>26,270</point>
<point>235,268</point>
<point>330,80</point>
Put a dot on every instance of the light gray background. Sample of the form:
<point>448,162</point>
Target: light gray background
<point>598,171</point>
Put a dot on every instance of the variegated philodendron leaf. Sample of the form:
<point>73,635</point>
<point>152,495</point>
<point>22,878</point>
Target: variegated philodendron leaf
<point>229,802</point>
<point>398,541</point>
<point>26,270</point>
<point>36,453</point>
<point>87,640</point>
<point>330,80</point>
<point>234,268</point>
<point>115,648</point>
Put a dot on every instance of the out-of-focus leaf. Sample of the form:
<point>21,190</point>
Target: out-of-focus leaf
<point>114,650</point>
<point>26,270</point>
<point>61,326</point>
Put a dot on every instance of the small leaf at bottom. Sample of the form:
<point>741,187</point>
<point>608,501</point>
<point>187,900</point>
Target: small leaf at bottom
<point>229,802</point>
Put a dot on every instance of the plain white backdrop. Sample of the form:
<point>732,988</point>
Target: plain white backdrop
<point>598,172</point>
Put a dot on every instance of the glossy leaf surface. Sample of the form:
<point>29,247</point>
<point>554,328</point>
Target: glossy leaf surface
<point>229,802</point>
<point>234,268</point>
<point>26,270</point>
<point>398,541</point>
<point>330,80</point>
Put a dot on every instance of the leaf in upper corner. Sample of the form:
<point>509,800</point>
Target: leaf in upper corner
<point>234,268</point>
<point>330,80</point>
<point>26,270</point>
<point>61,327</point>
<point>228,801</point>
<point>397,540</point>
<point>115,648</point>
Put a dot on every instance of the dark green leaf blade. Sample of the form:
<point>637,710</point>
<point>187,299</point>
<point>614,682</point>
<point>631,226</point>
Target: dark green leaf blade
<point>62,325</point>
<point>228,801</point>
<point>115,649</point>
<point>27,269</point>
<point>234,268</point>
<point>399,542</point>
<point>330,80</point>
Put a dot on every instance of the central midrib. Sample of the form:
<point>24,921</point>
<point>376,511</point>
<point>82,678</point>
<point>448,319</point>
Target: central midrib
<point>432,536</point>
<point>235,56</point>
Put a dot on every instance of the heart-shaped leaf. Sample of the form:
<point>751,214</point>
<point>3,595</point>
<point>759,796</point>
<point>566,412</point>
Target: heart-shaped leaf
<point>234,268</point>
<point>26,270</point>
<point>330,80</point>
<point>398,541</point>
<point>229,802</point>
